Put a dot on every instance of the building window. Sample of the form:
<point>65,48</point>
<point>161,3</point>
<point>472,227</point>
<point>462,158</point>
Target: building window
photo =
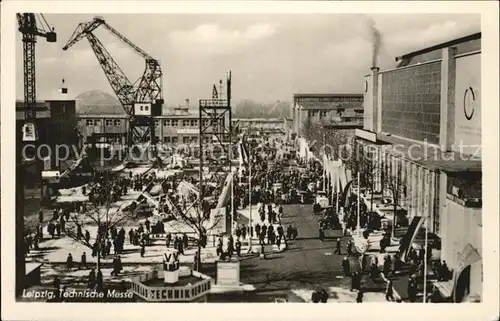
<point>185,140</point>
<point>322,114</point>
<point>194,123</point>
<point>175,123</point>
<point>166,122</point>
<point>109,122</point>
<point>157,123</point>
<point>167,139</point>
<point>194,139</point>
<point>185,123</point>
<point>411,100</point>
<point>90,122</point>
<point>117,122</point>
<point>206,122</point>
<point>175,140</point>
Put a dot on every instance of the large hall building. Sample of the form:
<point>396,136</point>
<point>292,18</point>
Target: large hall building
<point>422,127</point>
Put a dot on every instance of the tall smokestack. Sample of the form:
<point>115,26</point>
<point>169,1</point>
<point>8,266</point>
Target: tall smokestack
<point>375,105</point>
<point>376,42</point>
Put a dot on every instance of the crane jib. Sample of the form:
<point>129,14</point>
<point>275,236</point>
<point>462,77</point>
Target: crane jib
<point>142,99</point>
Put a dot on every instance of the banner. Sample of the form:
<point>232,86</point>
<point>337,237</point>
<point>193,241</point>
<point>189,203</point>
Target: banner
<point>426,194</point>
<point>409,237</point>
<point>343,176</point>
<point>218,219</point>
<point>469,256</point>
<point>225,195</point>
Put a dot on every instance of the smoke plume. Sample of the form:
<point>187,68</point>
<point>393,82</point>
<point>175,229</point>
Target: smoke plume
<point>376,38</point>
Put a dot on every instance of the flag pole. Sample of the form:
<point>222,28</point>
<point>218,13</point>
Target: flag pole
<point>425,258</point>
<point>337,190</point>
<point>359,203</point>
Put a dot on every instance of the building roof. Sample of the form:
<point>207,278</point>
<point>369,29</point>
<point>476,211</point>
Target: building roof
<point>262,120</point>
<point>325,95</point>
<point>463,45</point>
<point>114,116</point>
<point>326,105</point>
<point>430,157</point>
<point>40,104</point>
<point>344,125</point>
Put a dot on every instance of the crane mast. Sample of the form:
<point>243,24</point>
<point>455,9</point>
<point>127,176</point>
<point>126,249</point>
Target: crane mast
<point>30,30</point>
<point>142,99</point>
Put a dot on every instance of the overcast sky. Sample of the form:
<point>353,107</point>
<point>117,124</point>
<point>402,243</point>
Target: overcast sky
<point>271,56</point>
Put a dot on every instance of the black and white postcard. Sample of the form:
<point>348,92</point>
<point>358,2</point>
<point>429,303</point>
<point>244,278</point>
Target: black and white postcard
<point>249,153</point>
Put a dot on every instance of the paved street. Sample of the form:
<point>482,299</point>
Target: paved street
<point>307,264</point>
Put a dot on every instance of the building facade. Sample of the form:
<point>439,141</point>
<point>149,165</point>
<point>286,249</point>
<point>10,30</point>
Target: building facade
<point>344,110</point>
<point>55,125</point>
<point>178,126</point>
<point>422,127</point>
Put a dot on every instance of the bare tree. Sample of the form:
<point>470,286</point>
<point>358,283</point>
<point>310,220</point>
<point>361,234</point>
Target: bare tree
<point>197,217</point>
<point>395,182</point>
<point>325,138</point>
<point>106,217</point>
<point>369,171</point>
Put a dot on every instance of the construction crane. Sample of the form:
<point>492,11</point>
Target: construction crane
<point>31,26</point>
<point>142,99</point>
<point>30,30</point>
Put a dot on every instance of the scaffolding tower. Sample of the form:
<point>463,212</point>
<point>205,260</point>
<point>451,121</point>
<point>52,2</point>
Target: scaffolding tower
<point>215,139</point>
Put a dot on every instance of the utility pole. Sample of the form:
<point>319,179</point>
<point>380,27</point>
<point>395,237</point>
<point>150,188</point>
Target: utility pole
<point>250,190</point>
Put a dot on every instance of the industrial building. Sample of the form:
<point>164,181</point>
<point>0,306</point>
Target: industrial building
<point>423,123</point>
<point>102,120</point>
<point>55,124</point>
<point>337,110</point>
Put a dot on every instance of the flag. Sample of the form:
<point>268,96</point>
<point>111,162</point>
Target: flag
<point>345,193</point>
<point>343,176</point>
<point>469,256</point>
<point>409,237</point>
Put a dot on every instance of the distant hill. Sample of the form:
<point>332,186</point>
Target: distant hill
<point>251,109</point>
<point>98,102</point>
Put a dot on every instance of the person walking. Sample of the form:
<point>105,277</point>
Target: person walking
<point>349,248</point>
<point>83,261</point>
<point>389,291</point>
<point>69,262</point>
<point>337,247</point>
<point>359,297</point>
<point>91,279</point>
<point>346,266</point>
